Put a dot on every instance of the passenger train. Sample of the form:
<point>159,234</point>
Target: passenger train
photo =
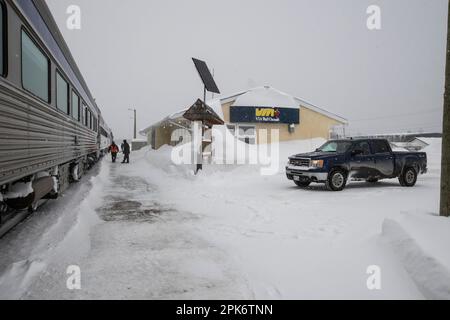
<point>51,129</point>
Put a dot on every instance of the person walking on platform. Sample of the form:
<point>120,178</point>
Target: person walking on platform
<point>126,152</point>
<point>114,149</point>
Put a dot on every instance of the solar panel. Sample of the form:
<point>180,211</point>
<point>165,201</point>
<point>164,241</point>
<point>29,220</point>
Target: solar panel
<point>206,76</point>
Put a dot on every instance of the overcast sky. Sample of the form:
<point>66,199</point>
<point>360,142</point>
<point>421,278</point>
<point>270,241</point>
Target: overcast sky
<point>137,53</point>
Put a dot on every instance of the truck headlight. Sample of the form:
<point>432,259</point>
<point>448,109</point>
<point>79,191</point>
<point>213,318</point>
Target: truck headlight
<point>317,163</point>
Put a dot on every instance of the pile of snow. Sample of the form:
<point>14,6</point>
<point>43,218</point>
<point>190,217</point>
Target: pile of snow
<point>421,244</point>
<point>163,160</point>
<point>228,151</point>
<point>421,239</point>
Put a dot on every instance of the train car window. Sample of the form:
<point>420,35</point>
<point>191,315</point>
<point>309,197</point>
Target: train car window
<point>35,69</point>
<point>62,94</point>
<point>83,113</point>
<point>86,114</point>
<point>88,118</point>
<point>3,54</point>
<point>75,106</point>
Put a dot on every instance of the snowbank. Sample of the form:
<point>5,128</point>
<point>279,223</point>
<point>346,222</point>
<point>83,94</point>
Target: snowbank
<point>421,239</point>
<point>421,243</point>
<point>228,150</point>
<point>67,239</point>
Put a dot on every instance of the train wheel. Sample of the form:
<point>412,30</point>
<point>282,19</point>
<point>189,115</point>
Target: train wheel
<point>3,210</point>
<point>33,208</point>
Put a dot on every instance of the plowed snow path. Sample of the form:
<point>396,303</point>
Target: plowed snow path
<point>141,249</point>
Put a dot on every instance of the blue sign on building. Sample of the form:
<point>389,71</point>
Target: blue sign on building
<point>264,115</point>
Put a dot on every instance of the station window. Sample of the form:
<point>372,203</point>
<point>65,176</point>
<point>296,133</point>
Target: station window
<point>35,69</point>
<point>3,54</point>
<point>244,133</point>
<point>75,106</point>
<point>62,94</point>
<point>247,134</point>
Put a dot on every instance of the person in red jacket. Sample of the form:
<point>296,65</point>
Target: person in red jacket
<point>114,149</point>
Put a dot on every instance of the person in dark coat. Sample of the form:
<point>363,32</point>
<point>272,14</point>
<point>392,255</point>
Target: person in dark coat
<point>126,152</point>
<point>114,149</point>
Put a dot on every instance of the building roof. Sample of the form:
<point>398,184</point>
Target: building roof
<point>170,118</point>
<point>267,96</point>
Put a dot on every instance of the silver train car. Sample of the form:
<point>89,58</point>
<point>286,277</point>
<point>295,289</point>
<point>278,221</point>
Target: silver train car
<point>51,129</point>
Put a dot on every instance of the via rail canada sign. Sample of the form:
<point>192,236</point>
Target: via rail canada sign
<point>264,115</point>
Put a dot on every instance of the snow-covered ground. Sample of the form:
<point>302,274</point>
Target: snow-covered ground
<point>152,230</point>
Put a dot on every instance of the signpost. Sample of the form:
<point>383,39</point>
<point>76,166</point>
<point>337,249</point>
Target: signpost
<point>135,125</point>
<point>202,116</point>
<point>200,112</point>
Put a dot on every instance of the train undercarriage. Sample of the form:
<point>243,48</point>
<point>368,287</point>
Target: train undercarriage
<point>21,198</point>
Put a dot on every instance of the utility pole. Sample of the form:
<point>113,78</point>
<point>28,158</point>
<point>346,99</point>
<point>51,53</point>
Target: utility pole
<point>445,174</point>
<point>135,125</point>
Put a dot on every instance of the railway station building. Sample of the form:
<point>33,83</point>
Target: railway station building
<point>248,112</point>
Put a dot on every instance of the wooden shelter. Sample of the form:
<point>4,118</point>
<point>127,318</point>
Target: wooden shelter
<point>200,111</point>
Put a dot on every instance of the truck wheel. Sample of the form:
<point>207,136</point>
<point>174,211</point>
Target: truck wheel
<point>302,184</point>
<point>337,180</point>
<point>408,177</point>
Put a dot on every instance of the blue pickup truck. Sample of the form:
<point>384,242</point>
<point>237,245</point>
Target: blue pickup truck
<point>371,160</point>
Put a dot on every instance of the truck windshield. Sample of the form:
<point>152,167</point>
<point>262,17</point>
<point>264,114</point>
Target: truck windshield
<point>335,146</point>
